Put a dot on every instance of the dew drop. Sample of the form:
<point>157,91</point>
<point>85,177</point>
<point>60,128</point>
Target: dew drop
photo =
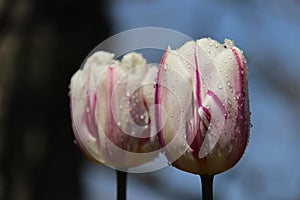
<point>210,44</point>
<point>216,45</point>
<point>142,116</point>
<point>87,110</point>
<point>229,85</point>
<point>220,86</point>
<point>225,61</point>
<point>208,51</point>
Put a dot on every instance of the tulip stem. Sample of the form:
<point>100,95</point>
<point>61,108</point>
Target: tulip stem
<point>207,186</point>
<point>121,185</point>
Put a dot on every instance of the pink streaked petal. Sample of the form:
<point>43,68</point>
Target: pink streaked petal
<point>198,83</point>
<point>157,101</point>
<point>218,102</point>
<point>190,133</point>
<point>89,114</point>
<point>111,124</point>
<point>206,113</point>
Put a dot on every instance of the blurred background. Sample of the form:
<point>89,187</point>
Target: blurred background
<point>42,43</point>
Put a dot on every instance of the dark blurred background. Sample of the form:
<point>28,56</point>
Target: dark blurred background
<point>42,43</point>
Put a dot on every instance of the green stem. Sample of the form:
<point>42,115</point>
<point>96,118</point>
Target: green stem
<point>207,186</point>
<point>121,185</point>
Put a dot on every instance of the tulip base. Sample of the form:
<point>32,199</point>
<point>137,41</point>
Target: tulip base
<point>121,185</point>
<point>207,186</point>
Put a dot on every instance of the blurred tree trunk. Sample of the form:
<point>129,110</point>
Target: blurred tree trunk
<point>42,43</point>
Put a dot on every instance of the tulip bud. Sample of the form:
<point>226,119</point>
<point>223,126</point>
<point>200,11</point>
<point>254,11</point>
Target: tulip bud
<point>111,105</point>
<point>203,90</point>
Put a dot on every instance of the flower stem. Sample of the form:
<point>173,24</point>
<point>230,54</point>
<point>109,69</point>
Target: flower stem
<point>207,186</point>
<point>121,185</point>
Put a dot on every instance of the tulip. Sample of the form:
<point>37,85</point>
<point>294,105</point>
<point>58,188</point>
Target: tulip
<point>110,106</point>
<point>203,89</point>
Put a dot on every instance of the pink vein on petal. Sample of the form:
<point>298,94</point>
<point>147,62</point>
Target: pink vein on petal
<point>157,102</point>
<point>218,101</point>
<point>206,113</point>
<point>111,88</point>
<point>242,87</point>
<point>89,113</point>
<point>199,101</point>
